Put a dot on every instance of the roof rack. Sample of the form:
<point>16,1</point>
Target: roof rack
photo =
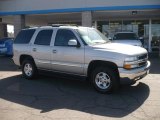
<point>53,25</point>
<point>59,25</point>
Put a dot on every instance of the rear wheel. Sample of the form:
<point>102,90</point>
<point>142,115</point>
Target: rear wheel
<point>29,69</point>
<point>104,79</point>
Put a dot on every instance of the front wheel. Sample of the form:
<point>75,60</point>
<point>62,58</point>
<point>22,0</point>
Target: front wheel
<point>104,79</point>
<point>29,69</point>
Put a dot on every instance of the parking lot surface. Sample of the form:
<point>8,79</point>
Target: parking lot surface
<point>55,98</point>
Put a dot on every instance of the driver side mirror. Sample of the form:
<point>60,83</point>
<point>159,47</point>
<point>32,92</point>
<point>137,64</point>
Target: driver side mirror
<point>140,38</point>
<point>73,42</point>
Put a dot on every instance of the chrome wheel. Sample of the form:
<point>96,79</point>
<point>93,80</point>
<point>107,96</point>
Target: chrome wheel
<point>102,80</point>
<point>28,70</point>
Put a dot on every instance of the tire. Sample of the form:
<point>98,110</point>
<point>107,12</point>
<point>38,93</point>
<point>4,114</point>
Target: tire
<point>29,65</point>
<point>104,80</point>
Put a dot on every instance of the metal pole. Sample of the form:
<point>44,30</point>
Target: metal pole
<point>150,36</point>
<point>95,24</point>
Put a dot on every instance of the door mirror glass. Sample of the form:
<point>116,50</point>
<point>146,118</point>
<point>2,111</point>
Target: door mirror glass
<point>72,42</point>
<point>140,38</point>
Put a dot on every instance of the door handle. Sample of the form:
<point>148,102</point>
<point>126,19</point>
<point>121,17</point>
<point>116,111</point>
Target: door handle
<point>54,51</point>
<point>34,49</point>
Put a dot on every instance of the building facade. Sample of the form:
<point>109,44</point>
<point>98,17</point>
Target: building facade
<point>109,16</point>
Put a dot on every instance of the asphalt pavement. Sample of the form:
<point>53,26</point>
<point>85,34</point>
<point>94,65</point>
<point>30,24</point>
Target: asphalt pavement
<point>56,98</point>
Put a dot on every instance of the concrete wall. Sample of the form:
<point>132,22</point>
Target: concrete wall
<point>29,5</point>
<point>3,30</point>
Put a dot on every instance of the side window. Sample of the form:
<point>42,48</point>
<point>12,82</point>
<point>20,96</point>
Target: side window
<point>44,37</point>
<point>63,36</point>
<point>24,36</point>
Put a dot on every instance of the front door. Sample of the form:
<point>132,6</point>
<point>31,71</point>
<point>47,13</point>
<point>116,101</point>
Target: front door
<point>66,58</point>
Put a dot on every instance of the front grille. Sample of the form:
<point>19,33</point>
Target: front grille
<point>142,64</point>
<point>142,60</point>
<point>144,56</point>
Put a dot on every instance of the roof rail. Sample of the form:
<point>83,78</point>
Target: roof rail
<point>51,25</point>
<point>59,25</point>
<point>45,26</point>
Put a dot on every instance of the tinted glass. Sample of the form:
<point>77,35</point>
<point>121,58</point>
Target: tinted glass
<point>125,36</point>
<point>63,36</point>
<point>24,36</point>
<point>44,37</point>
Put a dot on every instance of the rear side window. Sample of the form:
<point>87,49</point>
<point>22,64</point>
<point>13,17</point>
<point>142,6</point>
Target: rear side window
<point>24,36</point>
<point>44,37</point>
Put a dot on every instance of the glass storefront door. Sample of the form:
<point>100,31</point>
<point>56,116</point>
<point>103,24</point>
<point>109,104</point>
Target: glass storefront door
<point>155,30</point>
<point>143,31</point>
<point>155,43</point>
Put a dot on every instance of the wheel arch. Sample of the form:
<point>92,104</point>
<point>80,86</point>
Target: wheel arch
<point>25,56</point>
<point>95,63</point>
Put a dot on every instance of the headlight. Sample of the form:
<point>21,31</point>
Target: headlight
<point>130,59</point>
<point>130,62</point>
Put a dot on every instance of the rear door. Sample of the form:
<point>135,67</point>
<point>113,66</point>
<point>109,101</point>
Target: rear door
<point>41,49</point>
<point>67,58</point>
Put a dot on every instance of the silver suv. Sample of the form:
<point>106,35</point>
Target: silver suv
<point>127,38</point>
<point>81,51</point>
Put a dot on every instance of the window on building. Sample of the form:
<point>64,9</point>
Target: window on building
<point>130,25</point>
<point>24,36</point>
<point>63,36</point>
<point>44,37</point>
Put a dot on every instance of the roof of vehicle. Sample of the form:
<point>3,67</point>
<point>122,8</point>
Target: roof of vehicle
<point>56,26</point>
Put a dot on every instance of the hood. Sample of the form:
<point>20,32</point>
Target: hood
<point>129,42</point>
<point>6,40</point>
<point>2,41</point>
<point>121,48</point>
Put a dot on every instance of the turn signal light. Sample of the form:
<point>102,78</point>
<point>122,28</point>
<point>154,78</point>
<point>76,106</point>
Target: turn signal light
<point>127,66</point>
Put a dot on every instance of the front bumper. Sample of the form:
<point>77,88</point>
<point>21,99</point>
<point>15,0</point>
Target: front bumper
<point>3,50</point>
<point>135,74</point>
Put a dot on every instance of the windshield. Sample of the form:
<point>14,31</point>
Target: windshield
<point>92,36</point>
<point>125,36</point>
